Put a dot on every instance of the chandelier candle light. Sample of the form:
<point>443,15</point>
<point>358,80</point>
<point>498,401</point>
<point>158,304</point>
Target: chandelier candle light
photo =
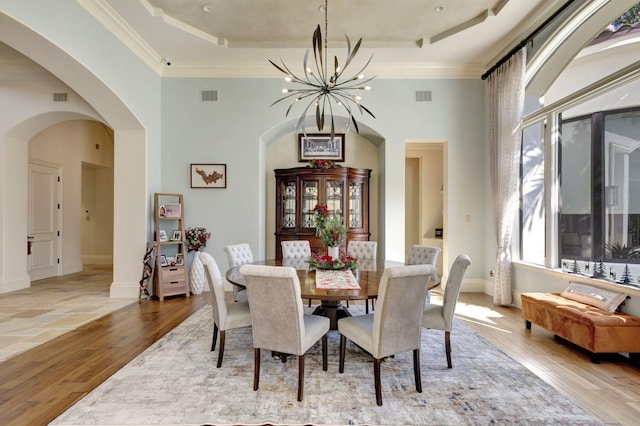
<point>322,87</point>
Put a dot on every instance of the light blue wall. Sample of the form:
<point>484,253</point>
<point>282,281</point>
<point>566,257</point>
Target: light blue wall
<point>180,129</point>
<point>230,131</point>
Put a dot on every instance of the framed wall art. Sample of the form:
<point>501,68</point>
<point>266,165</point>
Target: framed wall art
<point>320,147</point>
<point>208,175</point>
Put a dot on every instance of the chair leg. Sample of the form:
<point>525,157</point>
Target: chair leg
<point>215,337</point>
<point>325,365</point>
<point>300,376</point>
<point>343,344</point>
<point>256,368</point>
<point>447,346</point>
<point>416,370</point>
<point>347,303</point>
<point>221,350</point>
<point>376,378</point>
<point>366,306</point>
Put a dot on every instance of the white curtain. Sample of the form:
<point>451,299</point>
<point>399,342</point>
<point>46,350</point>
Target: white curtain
<point>505,95</point>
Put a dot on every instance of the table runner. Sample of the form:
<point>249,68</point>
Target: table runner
<point>330,279</point>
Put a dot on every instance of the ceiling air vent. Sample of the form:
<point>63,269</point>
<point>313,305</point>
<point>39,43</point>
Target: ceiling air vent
<point>59,97</point>
<point>209,95</point>
<point>423,96</point>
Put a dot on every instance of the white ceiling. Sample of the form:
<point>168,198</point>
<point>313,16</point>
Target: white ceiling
<point>408,38</point>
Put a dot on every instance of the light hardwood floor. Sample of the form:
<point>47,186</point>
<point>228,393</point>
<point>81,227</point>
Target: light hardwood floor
<point>39,384</point>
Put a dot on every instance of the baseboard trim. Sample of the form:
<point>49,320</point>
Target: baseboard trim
<point>124,290</point>
<point>15,283</point>
<point>97,259</point>
<point>474,285</point>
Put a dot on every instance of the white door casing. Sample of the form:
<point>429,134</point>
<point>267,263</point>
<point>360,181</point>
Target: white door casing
<point>44,220</point>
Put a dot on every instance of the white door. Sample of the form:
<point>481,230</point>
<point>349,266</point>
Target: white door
<point>44,221</point>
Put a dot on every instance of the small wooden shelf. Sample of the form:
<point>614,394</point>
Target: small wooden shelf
<point>172,279</point>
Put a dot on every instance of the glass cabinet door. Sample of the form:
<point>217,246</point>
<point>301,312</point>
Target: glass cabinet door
<point>289,204</point>
<point>335,197</point>
<point>355,205</point>
<point>309,201</point>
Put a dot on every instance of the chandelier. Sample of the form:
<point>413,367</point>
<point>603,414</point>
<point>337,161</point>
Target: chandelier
<point>323,90</point>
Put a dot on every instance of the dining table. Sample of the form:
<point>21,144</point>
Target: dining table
<point>367,275</point>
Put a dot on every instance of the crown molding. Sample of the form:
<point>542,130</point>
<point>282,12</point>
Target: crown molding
<point>266,70</point>
<point>113,22</point>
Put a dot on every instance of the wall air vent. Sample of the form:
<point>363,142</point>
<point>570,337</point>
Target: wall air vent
<point>209,95</point>
<point>59,97</point>
<point>423,96</point>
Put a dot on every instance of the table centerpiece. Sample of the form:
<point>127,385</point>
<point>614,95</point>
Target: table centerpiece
<point>342,261</point>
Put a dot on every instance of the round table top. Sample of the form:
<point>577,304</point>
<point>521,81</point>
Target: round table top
<point>367,274</point>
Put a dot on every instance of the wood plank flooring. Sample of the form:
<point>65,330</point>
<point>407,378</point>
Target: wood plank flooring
<point>38,385</point>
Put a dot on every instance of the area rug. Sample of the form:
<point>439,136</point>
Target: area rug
<point>176,382</point>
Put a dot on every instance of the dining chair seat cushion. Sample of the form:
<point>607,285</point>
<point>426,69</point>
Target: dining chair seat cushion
<point>359,328</point>
<point>392,330</point>
<point>241,296</point>
<point>433,317</point>
<point>238,315</point>
<point>315,326</point>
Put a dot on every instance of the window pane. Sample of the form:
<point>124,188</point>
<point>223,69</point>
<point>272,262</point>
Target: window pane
<point>575,189</point>
<point>622,185</point>
<point>533,214</point>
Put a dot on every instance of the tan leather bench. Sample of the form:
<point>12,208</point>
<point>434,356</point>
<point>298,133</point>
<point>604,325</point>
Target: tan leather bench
<point>589,327</point>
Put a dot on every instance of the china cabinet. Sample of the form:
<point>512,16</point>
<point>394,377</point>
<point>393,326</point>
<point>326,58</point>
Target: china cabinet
<point>170,277</point>
<point>344,190</point>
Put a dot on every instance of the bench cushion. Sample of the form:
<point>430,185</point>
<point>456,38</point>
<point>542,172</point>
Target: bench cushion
<point>589,327</point>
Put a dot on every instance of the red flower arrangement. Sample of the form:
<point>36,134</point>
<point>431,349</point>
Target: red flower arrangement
<point>196,238</point>
<point>320,215</point>
<point>323,164</point>
<point>325,261</point>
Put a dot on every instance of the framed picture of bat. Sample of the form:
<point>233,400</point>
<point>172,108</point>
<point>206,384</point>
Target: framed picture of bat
<point>208,175</point>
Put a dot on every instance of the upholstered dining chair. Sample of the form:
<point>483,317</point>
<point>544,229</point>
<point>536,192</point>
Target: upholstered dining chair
<point>239,254</point>
<point>297,249</point>
<point>423,255</point>
<point>294,252</point>
<point>395,326</point>
<point>278,320</point>
<point>440,317</point>
<point>363,250</point>
<point>226,316</point>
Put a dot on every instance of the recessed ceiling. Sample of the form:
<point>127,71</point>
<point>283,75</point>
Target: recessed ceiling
<point>236,38</point>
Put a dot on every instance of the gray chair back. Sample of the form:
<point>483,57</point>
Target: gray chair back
<point>216,289</point>
<point>362,249</point>
<point>398,315</point>
<point>238,254</point>
<point>423,255</point>
<point>297,249</point>
<point>276,308</point>
<point>452,290</point>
